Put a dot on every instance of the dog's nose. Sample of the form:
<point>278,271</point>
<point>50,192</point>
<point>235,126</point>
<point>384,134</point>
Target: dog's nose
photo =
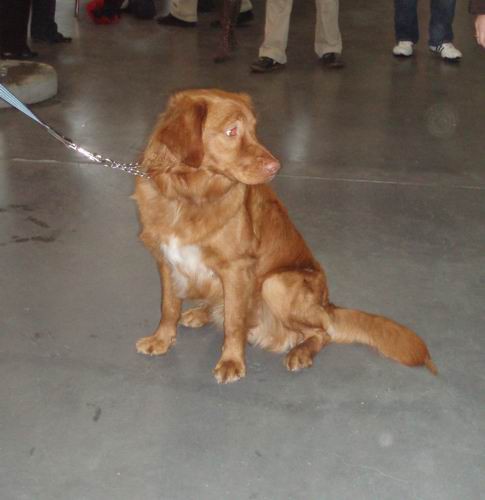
<point>272,166</point>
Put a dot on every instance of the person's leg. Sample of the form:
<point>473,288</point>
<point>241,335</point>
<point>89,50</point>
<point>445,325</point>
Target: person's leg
<point>441,31</point>
<point>246,6</point>
<point>229,10</point>
<point>406,20</point>
<point>14,20</point>
<point>42,24</point>
<point>327,32</point>
<point>43,27</point>
<point>441,20</point>
<point>185,10</point>
<point>276,29</point>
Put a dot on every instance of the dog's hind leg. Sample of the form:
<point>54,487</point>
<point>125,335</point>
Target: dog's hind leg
<point>196,316</point>
<point>297,298</point>
<point>301,356</point>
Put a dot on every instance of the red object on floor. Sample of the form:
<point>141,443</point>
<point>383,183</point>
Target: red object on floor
<point>101,13</point>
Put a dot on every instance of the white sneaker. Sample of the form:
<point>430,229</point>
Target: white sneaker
<point>403,48</point>
<point>447,51</point>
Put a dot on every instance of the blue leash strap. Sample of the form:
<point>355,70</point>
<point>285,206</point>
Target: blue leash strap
<point>8,97</point>
<point>130,168</point>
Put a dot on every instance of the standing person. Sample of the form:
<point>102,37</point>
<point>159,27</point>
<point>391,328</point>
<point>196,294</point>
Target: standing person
<point>477,7</point>
<point>14,20</point>
<point>43,27</point>
<point>328,41</point>
<point>183,13</point>
<point>440,28</point>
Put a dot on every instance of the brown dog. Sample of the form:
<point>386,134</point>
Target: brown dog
<point>221,237</point>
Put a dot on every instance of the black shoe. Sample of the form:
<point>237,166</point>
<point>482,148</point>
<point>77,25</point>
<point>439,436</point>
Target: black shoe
<point>55,38</point>
<point>243,18</point>
<point>23,55</point>
<point>265,65</point>
<point>332,60</point>
<point>174,21</point>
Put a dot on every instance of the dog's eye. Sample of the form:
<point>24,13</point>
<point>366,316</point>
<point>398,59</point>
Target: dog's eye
<point>231,132</point>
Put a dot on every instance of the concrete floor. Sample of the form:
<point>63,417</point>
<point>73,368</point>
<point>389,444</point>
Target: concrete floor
<point>384,175</point>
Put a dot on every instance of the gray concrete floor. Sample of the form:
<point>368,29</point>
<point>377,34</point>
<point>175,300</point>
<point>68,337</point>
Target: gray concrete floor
<point>384,175</point>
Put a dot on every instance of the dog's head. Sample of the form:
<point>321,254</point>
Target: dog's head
<point>214,131</point>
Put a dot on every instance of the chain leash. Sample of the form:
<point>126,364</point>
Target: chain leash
<point>129,168</point>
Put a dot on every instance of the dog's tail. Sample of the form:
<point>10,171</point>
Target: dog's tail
<point>391,339</point>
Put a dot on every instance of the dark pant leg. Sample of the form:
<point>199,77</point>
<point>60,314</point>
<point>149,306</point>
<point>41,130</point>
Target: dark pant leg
<point>14,21</point>
<point>406,20</point>
<point>441,20</point>
<point>43,23</point>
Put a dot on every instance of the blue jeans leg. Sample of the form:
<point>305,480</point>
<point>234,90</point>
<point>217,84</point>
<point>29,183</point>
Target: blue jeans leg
<point>406,20</point>
<point>440,23</point>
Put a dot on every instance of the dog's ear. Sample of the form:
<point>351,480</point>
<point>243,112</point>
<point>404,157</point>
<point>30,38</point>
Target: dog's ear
<point>181,127</point>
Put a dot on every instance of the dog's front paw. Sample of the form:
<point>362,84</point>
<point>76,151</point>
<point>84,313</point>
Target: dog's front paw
<point>298,358</point>
<point>229,370</point>
<point>154,346</point>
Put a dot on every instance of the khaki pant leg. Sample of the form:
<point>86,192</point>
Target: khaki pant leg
<point>186,10</point>
<point>327,32</point>
<point>246,5</point>
<point>276,30</point>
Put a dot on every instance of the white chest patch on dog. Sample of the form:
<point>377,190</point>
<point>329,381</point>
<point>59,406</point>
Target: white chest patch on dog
<point>187,264</point>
